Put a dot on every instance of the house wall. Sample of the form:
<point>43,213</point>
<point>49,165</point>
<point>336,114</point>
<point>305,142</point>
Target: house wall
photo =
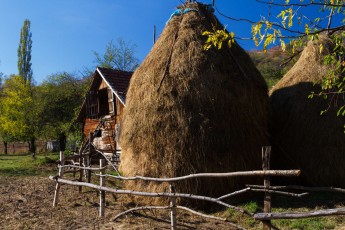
<point>89,126</point>
<point>107,141</point>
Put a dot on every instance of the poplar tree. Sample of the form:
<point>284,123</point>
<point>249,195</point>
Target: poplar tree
<point>24,53</point>
<point>25,72</point>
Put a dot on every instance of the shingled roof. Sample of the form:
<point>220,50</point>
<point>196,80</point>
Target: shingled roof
<point>117,80</point>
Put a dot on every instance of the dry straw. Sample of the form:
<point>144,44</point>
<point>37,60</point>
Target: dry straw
<point>190,111</point>
<point>302,139</point>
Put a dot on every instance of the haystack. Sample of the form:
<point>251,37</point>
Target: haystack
<point>190,111</point>
<point>302,138</point>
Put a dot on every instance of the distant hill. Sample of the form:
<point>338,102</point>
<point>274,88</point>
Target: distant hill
<point>269,63</point>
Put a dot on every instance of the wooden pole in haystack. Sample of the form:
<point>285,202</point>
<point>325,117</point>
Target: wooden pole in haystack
<point>60,174</point>
<point>154,34</point>
<point>101,184</point>
<point>266,155</point>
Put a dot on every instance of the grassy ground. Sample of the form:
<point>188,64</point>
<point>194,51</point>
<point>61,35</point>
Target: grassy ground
<point>23,169</point>
<point>26,165</point>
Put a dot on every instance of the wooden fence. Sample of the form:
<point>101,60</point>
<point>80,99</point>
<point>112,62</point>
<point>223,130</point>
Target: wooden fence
<point>266,217</point>
<point>21,147</point>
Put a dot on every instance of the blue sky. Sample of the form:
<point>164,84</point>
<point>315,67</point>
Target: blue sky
<point>66,32</point>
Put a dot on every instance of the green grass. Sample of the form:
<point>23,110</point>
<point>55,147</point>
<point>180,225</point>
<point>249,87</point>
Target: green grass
<point>321,200</point>
<point>25,165</point>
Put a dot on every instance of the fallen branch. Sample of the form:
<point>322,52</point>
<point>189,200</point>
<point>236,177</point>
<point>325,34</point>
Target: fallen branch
<point>284,173</point>
<point>299,215</point>
<point>150,194</point>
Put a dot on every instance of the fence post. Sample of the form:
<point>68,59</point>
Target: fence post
<point>60,174</point>
<point>266,157</point>
<point>89,157</point>
<point>172,208</point>
<point>80,170</point>
<point>101,184</point>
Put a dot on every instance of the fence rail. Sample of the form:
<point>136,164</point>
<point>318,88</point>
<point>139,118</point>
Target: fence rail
<point>267,189</point>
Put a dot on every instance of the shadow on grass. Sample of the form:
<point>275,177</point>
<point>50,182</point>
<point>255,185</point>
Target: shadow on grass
<point>19,172</point>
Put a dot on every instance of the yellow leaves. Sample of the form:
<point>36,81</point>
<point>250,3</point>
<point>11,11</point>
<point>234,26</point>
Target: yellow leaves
<point>282,45</point>
<point>16,107</point>
<point>256,32</point>
<point>217,38</point>
<point>306,29</point>
<point>269,39</point>
<point>320,48</point>
<point>264,32</point>
<point>286,15</point>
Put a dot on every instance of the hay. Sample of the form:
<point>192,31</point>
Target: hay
<point>189,110</point>
<point>302,139</point>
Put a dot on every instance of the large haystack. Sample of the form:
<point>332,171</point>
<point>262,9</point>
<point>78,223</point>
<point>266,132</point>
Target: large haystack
<point>302,139</point>
<point>190,111</point>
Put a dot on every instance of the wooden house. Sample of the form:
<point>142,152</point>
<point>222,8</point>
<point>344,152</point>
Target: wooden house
<point>102,108</point>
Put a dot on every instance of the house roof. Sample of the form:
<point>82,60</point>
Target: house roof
<point>116,80</point>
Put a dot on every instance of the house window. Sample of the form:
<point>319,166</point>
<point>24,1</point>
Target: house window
<point>103,102</point>
<point>91,104</point>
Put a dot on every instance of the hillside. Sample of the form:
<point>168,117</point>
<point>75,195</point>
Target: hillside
<point>269,64</point>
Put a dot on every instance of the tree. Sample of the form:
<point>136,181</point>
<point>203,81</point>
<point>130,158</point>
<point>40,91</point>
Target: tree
<point>18,114</point>
<point>24,53</point>
<point>58,99</point>
<point>25,72</point>
<point>4,136</point>
<point>118,56</point>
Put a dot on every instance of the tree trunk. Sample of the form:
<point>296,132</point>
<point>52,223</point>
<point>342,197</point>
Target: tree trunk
<point>32,147</point>
<point>5,147</point>
<point>62,141</point>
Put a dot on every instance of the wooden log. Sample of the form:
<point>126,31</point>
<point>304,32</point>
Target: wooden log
<point>139,209</point>
<point>81,167</point>
<point>172,208</point>
<point>266,156</point>
<point>278,192</point>
<point>101,192</point>
<point>283,173</point>
<point>233,194</point>
<point>298,187</point>
<point>178,207</point>
<point>151,194</point>
<point>89,158</point>
<point>57,186</point>
<point>299,215</point>
<point>80,170</point>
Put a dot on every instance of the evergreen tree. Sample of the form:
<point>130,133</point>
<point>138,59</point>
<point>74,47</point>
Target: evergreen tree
<point>24,53</point>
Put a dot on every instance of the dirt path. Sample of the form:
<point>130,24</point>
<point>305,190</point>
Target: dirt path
<point>26,203</point>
